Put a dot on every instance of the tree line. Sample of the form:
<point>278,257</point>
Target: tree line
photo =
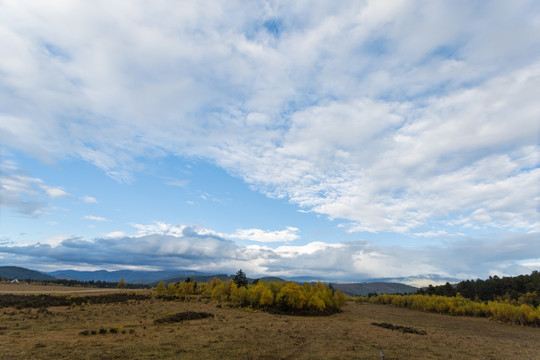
<point>518,289</point>
<point>513,300</point>
<point>280,296</point>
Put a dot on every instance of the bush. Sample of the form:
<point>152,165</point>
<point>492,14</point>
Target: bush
<point>188,315</point>
<point>43,301</point>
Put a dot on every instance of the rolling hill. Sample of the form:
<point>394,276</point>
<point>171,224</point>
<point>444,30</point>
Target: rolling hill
<point>15,272</point>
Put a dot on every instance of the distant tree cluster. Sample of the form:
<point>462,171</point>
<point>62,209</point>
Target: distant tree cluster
<point>519,289</point>
<point>273,296</point>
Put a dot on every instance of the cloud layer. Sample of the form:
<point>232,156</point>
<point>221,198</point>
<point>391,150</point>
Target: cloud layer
<point>198,249</point>
<point>394,117</point>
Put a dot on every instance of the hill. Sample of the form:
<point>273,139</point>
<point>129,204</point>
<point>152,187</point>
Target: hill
<point>364,289</point>
<point>16,272</point>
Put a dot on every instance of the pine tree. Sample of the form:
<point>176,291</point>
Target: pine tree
<point>240,279</point>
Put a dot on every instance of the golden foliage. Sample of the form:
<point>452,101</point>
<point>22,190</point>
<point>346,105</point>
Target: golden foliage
<point>504,311</point>
<point>283,296</point>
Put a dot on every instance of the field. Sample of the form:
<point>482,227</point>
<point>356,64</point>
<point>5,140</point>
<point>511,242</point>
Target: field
<point>57,289</point>
<point>129,331</point>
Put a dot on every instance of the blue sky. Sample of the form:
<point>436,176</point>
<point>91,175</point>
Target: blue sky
<point>345,141</point>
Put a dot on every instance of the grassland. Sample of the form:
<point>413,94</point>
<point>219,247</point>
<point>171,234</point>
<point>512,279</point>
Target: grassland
<point>57,333</point>
<point>58,289</point>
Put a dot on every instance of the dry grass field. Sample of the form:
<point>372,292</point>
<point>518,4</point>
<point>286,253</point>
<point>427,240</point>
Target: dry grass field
<point>58,289</point>
<point>58,333</point>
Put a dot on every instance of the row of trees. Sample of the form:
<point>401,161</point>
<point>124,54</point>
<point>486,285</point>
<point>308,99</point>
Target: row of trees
<point>460,306</point>
<point>494,288</point>
<point>273,296</point>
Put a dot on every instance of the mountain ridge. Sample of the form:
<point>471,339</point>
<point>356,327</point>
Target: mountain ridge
<point>152,278</point>
<point>20,273</point>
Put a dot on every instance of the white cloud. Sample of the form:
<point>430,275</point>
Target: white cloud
<point>293,251</point>
<point>54,192</point>
<point>448,160</point>
<point>159,228</point>
<point>115,234</point>
<point>56,240</point>
<point>289,234</point>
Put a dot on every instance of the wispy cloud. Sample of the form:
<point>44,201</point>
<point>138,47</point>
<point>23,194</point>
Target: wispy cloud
<point>89,199</point>
<point>178,182</point>
<point>94,218</point>
<point>26,194</point>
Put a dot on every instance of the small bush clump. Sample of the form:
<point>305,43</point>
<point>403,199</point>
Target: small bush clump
<point>44,301</point>
<point>188,315</point>
<point>403,329</point>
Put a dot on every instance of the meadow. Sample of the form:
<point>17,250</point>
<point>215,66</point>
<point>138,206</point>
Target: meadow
<point>151,329</point>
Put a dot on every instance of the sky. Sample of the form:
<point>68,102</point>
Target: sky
<point>347,141</point>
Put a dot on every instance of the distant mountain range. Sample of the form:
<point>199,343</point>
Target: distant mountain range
<point>154,277</point>
<point>364,289</point>
<point>130,276</point>
<point>423,280</point>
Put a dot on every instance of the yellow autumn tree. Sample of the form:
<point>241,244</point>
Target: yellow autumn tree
<point>267,298</point>
<point>291,297</point>
<point>161,290</point>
